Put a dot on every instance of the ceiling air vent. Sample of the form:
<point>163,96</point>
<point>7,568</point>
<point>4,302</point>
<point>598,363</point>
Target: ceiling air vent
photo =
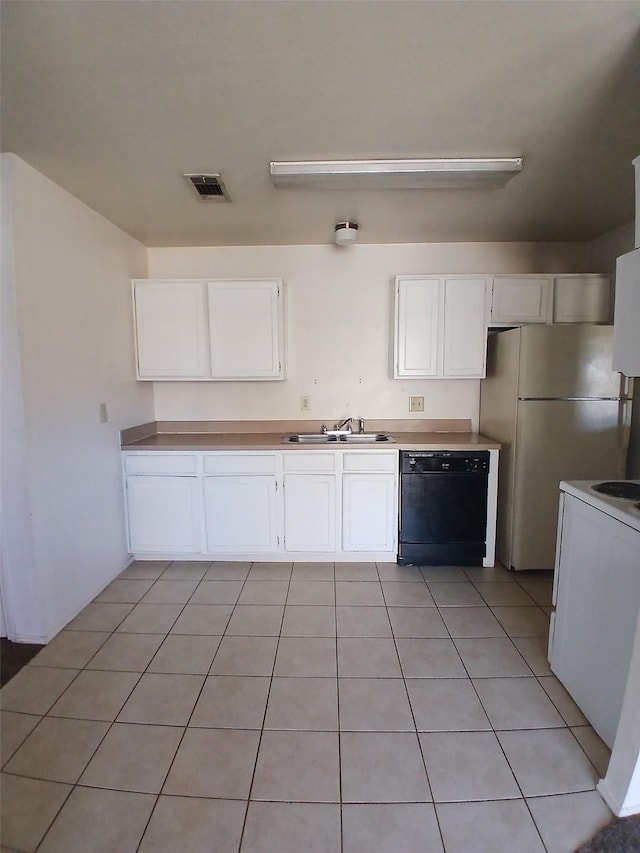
<point>209,187</point>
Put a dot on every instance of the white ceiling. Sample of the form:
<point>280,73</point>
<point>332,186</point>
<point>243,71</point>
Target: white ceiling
<point>116,100</point>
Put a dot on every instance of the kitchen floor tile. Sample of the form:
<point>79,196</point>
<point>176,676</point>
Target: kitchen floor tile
<point>356,572</point>
<point>522,621</point>
<point>185,570</point>
<point>245,656</point>
<point>490,827</point>
<point>548,761</point>
<point>183,653</point>
<point>126,652</point>
<point>150,618</point>
<point>14,729</point>
<point>133,758</point>
<point>504,594</point>
<point>467,766</point>
<point>99,821</point>
<point>359,593</point>
<point>534,651</point>
<point>446,705</point>
<point>96,695</point>
<point>471,622</point>
<point>214,763</point>
<point>292,828</point>
<point>489,574</point>
<point>392,572</point>
<point>390,828</point>
<point>217,592</point>
<point>303,704</point>
<point>231,701</point>
<point>517,703</point>
<point>166,700</point>
<point>306,656</point>
<point>595,749</point>
<point>491,657</point>
<point>170,592</point>
<point>455,594</point>
<point>100,616</point>
<point>312,620</point>
<point>124,591</point>
<point>571,714</point>
<point>367,658</point>
<point>446,574</point>
<point>568,821</point>
<point>430,659</point>
<point>256,620</point>
<point>313,572</point>
<point>70,649</point>
<point>311,592</point>
<point>374,704</point>
<point>541,591</point>
<point>144,570</point>
<point>270,571</point>
<point>298,767</point>
<point>190,825</point>
<point>417,622</point>
<point>58,750</point>
<point>27,808</point>
<point>264,592</point>
<point>227,571</point>
<point>363,622</point>
<point>34,689</point>
<point>382,767</point>
<point>407,594</point>
<point>210,619</point>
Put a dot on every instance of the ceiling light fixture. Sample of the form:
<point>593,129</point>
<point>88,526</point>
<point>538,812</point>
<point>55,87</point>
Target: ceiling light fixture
<point>441,173</point>
<point>346,233</point>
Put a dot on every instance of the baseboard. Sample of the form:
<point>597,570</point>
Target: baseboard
<point>615,804</point>
<point>279,557</point>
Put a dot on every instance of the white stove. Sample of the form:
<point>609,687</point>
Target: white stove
<point>622,509</point>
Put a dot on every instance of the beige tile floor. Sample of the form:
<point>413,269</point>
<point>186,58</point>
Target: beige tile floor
<point>275,707</point>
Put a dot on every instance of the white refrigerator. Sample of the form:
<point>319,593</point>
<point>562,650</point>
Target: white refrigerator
<point>561,413</point>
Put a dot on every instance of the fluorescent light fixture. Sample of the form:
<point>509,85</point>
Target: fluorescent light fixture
<point>441,173</point>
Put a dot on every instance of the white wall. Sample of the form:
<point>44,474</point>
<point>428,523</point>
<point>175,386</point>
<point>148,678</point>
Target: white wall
<point>71,350</point>
<point>340,304</point>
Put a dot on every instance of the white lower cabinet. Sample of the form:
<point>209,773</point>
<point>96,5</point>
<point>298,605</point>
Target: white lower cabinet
<point>163,514</point>
<point>310,512</point>
<point>369,517</point>
<point>240,514</point>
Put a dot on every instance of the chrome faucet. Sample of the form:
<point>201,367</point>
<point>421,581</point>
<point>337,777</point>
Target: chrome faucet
<point>344,426</point>
<point>361,428</point>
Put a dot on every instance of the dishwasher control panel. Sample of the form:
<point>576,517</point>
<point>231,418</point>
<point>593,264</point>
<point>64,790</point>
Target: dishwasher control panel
<point>452,461</point>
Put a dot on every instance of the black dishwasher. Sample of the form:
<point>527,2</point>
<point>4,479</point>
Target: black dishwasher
<point>443,507</point>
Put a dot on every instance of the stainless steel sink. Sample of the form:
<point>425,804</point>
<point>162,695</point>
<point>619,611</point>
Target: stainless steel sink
<point>619,489</point>
<point>311,438</point>
<point>366,437</point>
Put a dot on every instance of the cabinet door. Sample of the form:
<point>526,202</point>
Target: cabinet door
<point>240,514</point>
<point>163,514</point>
<point>417,309</point>
<point>246,329</point>
<point>465,328</point>
<point>582,299</point>
<point>171,330</point>
<point>524,299</point>
<point>310,512</point>
<point>369,519</point>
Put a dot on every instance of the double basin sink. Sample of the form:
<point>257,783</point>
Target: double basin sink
<point>348,438</point>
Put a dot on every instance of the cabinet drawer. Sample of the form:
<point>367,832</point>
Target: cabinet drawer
<point>315,461</point>
<point>249,463</point>
<point>158,463</point>
<point>374,462</point>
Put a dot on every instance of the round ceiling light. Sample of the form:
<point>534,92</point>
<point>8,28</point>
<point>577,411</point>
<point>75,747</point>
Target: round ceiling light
<point>346,233</point>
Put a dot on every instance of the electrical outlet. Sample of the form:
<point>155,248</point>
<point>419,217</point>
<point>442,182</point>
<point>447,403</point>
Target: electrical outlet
<point>305,404</point>
<point>104,414</point>
<point>416,404</point>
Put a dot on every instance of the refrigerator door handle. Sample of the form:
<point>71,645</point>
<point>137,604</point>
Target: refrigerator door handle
<point>572,399</point>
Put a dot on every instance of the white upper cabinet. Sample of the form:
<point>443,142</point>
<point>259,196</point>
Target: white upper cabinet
<point>171,329</point>
<point>215,330</point>
<point>440,327</point>
<point>582,299</point>
<point>521,299</point>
